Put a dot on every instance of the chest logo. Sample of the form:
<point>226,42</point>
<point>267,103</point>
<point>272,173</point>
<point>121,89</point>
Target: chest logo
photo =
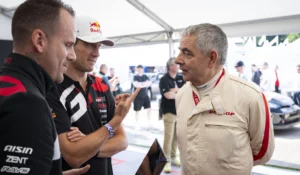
<point>226,113</point>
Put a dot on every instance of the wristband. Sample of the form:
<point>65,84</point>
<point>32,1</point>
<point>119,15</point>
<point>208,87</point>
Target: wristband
<point>110,130</point>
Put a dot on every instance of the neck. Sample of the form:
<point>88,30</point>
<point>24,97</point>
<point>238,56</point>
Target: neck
<point>209,86</point>
<point>209,76</point>
<point>26,53</point>
<point>77,76</point>
<point>172,74</point>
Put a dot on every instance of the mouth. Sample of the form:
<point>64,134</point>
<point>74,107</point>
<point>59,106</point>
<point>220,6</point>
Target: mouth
<point>183,70</point>
<point>92,61</point>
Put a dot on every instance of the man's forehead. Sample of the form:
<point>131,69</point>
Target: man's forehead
<point>187,41</point>
<point>67,23</point>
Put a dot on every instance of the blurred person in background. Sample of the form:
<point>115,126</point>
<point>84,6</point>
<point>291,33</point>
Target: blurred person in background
<point>102,73</point>
<point>140,80</point>
<point>277,83</point>
<point>169,85</point>
<point>266,82</point>
<point>240,66</point>
<point>116,87</point>
<point>296,86</point>
<point>256,74</point>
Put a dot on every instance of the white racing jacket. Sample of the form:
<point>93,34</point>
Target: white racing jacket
<point>227,132</point>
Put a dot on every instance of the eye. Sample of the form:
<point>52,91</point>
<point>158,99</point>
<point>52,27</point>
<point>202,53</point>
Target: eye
<point>88,44</point>
<point>69,45</point>
<point>187,53</point>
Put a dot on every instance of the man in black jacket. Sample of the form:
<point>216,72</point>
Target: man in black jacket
<point>169,85</point>
<point>43,38</point>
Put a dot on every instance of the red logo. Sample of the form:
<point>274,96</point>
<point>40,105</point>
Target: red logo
<point>16,86</point>
<point>226,113</point>
<point>99,99</point>
<point>212,112</point>
<point>196,99</point>
<point>95,27</point>
<point>102,105</point>
<point>7,60</point>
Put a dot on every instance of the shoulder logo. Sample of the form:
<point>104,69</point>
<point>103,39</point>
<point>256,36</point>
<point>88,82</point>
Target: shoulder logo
<point>16,86</point>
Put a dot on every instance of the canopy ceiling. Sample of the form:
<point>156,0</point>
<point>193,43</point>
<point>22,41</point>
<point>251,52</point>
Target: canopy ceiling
<point>137,22</point>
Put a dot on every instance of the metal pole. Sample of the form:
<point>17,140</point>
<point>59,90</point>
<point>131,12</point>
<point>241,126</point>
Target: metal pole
<point>171,44</point>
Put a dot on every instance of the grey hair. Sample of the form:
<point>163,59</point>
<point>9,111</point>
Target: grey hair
<point>209,37</point>
<point>170,61</point>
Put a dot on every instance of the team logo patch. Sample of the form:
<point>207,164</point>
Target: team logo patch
<point>53,115</point>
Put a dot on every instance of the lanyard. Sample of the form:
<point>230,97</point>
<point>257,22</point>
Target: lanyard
<point>195,96</point>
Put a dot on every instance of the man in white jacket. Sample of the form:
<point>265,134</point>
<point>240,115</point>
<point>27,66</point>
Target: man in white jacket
<point>224,124</point>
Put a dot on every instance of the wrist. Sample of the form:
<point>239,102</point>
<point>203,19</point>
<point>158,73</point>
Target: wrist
<point>115,122</point>
<point>110,130</point>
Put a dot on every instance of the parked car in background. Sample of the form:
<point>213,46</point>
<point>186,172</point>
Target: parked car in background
<point>284,112</point>
<point>154,91</point>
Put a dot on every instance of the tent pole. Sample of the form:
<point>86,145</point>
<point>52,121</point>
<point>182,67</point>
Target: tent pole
<point>171,44</point>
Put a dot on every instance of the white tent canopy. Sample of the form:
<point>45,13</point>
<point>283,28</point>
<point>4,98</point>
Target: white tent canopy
<point>137,22</point>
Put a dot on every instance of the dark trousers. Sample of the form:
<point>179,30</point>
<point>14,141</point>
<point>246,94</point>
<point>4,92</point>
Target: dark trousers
<point>297,98</point>
<point>277,89</point>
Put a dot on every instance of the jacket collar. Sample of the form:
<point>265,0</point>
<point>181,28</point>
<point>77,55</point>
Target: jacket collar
<point>213,100</point>
<point>68,81</point>
<point>30,69</point>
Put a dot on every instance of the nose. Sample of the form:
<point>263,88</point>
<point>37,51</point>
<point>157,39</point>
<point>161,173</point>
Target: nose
<point>71,55</point>
<point>179,60</point>
<point>96,52</point>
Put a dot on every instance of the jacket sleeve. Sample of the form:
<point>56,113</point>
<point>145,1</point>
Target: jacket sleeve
<point>261,130</point>
<point>164,86</point>
<point>26,139</point>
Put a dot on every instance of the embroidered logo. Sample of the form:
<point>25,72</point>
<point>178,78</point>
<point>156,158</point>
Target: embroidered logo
<point>226,113</point>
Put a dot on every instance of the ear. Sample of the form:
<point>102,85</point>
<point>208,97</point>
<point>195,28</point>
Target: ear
<point>39,40</point>
<point>213,58</point>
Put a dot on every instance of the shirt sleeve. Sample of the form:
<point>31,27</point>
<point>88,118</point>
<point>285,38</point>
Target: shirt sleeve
<point>59,113</point>
<point>261,130</point>
<point>106,80</point>
<point>163,86</point>
<point>27,138</point>
<point>180,77</point>
<point>135,78</point>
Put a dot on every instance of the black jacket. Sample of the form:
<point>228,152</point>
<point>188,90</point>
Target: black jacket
<point>256,77</point>
<point>28,139</point>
